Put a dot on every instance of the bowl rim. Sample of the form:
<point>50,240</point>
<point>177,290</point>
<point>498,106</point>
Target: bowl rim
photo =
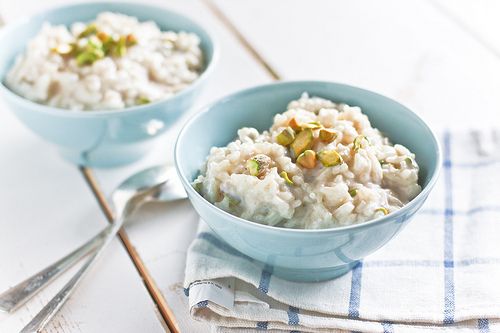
<point>353,227</point>
<point>57,111</point>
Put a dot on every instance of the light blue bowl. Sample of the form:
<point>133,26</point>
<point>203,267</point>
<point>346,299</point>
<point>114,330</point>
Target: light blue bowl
<point>101,138</point>
<point>302,255</point>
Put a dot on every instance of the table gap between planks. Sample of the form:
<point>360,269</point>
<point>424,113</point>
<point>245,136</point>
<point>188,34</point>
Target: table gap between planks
<point>420,56</point>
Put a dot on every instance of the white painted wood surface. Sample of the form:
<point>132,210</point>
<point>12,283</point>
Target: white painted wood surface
<point>418,52</point>
<point>46,210</point>
<point>408,50</point>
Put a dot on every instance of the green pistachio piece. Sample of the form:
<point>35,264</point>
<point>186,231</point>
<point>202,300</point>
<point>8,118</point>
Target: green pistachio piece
<point>85,58</point>
<point>353,192</point>
<point>294,124</point>
<point>284,175</point>
<point>330,158</point>
<point>253,167</point>
<point>327,135</point>
<point>383,210</point>
<point>307,159</point>
<point>258,165</point>
<point>303,141</point>
<point>130,40</point>
<point>120,48</point>
<point>142,100</point>
<point>312,125</point>
<point>358,142</point>
<point>91,29</point>
<point>286,136</point>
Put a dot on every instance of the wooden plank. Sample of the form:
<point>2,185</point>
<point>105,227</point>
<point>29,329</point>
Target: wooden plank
<point>407,50</point>
<point>47,210</point>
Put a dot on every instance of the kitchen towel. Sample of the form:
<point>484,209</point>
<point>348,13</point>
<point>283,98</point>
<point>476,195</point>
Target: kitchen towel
<point>441,273</point>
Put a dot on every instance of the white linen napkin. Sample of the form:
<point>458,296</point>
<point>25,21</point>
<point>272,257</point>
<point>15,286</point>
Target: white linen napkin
<point>441,273</point>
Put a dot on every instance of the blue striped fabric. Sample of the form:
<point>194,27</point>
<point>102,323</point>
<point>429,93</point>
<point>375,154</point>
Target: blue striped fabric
<point>293,316</point>
<point>355,296</point>
<point>262,325</point>
<point>202,304</point>
<point>483,325</point>
<point>449,283</point>
<point>265,279</point>
<point>387,327</point>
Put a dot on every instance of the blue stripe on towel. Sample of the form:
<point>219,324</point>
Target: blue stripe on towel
<point>221,245</point>
<point>262,325</point>
<point>265,278</point>
<point>202,304</point>
<point>293,315</point>
<point>449,283</point>
<point>355,297</point>
<point>483,325</point>
<point>387,326</point>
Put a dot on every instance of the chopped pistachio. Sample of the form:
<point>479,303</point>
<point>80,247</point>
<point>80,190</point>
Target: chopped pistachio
<point>294,124</point>
<point>383,210</point>
<point>258,165</point>
<point>286,137</point>
<point>120,48</point>
<point>357,142</point>
<point>307,159</point>
<point>130,40</point>
<point>330,158</point>
<point>284,175</point>
<point>312,125</point>
<point>253,167</point>
<point>353,192</point>
<point>327,135</point>
<point>108,45</point>
<point>86,58</point>
<point>302,142</point>
<point>142,100</point>
<point>91,29</point>
<point>103,37</point>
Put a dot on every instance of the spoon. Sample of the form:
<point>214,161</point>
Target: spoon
<point>158,183</point>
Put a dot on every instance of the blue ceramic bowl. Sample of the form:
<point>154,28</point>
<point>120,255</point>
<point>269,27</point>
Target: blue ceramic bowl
<point>101,138</point>
<point>302,255</point>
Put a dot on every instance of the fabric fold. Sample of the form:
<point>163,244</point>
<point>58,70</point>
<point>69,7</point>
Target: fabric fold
<point>438,274</point>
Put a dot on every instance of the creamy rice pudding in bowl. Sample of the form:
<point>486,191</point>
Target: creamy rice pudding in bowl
<point>307,177</point>
<point>102,80</point>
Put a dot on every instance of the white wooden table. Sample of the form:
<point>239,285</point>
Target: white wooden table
<point>441,58</point>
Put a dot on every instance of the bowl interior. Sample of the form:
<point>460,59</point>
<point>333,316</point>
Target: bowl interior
<point>256,107</point>
<point>17,35</point>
